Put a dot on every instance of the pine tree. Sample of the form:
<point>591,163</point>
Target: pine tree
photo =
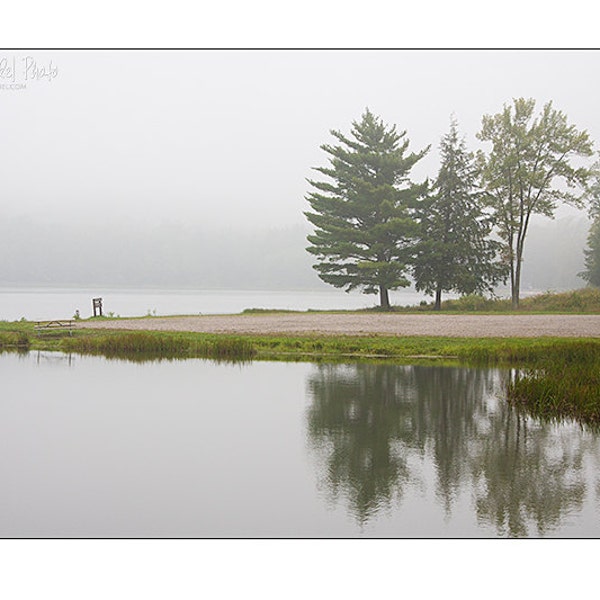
<point>455,252</point>
<point>592,255</point>
<point>364,214</point>
<point>591,274</point>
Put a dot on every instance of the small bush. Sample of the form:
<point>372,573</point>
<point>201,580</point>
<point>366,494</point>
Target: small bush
<point>474,303</point>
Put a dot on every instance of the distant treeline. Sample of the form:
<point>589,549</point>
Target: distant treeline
<point>46,253</point>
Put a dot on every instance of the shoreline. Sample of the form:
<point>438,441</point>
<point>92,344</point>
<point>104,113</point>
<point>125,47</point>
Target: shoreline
<point>365,324</point>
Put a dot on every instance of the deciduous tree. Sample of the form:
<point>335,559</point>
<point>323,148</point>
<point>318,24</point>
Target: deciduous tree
<point>530,170</point>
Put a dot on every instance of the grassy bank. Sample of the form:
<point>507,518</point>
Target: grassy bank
<point>582,301</point>
<point>490,351</point>
<point>554,377</point>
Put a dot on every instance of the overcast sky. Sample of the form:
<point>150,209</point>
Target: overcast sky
<point>227,138</point>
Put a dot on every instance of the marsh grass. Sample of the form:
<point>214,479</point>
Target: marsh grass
<point>560,386</point>
<point>153,344</point>
<point>14,340</point>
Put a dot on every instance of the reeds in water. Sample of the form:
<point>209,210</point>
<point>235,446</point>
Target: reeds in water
<point>560,386</point>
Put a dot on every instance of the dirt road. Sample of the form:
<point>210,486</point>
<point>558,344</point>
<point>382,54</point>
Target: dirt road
<point>370,323</point>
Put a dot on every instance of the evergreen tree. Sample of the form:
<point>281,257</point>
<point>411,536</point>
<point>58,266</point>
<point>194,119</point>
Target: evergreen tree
<point>591,274</point>
<point>455,253</point>
<point>592,255</point>
<point>364,214</point>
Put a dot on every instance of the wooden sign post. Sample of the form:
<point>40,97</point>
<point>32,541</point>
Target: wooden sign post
<point>97,305</point>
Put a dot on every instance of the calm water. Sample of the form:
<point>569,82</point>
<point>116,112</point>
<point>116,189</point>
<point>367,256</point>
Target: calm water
<point>53,303</point>
<point>95,447</point>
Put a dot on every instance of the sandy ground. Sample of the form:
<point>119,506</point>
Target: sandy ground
<point>365,324</point>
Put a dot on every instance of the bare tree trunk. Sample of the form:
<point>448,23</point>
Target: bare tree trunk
<point>516,290</point>
<point>384,298</point>
<point>513,283</point>
<point>515,295</point>
<point>438,298</point>
<point>516,284</point>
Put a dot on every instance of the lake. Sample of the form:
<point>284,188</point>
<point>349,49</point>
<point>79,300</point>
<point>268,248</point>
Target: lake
<point>92,447</point>
<point>60,303</point>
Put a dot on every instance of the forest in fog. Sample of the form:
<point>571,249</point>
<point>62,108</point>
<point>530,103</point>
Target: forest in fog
<point>172,255</point>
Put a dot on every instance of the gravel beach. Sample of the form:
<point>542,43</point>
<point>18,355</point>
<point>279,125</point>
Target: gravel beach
<point>369,324</point>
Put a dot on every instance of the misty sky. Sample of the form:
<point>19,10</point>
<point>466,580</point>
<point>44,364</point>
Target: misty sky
<point>227,138</point>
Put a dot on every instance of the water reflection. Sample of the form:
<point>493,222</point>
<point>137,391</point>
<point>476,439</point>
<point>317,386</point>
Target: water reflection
<point>53,358</point>
<point>378,429</point>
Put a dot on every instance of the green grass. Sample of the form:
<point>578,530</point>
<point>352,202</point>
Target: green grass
<point>154,345</point>
<point>14,340</point>
<point>582,301</point>
<point>560,386</point>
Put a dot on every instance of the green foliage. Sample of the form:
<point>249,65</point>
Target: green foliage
<point>475,303</point>
<point>364,214</point>
<point>529,171</point>
<point>455,252</point>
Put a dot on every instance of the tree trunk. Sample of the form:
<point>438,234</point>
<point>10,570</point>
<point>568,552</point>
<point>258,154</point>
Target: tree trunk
<point>515,296</point>
<point>516,283</point>
<point>513,283</point>
<point>438,299</point>
<point>384,298</point>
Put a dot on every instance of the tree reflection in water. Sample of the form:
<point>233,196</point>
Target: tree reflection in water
<point>376,427</point>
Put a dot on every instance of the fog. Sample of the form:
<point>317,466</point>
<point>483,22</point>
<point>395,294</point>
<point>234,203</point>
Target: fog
<point>188,168</point>
<point>176,255</point>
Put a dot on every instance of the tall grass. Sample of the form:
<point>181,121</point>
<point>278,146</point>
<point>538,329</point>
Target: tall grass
<point>18,340</point>
<point>560,385</point>
<point>152,344</point>
<point>584,300</point>
<point>530,351</point>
